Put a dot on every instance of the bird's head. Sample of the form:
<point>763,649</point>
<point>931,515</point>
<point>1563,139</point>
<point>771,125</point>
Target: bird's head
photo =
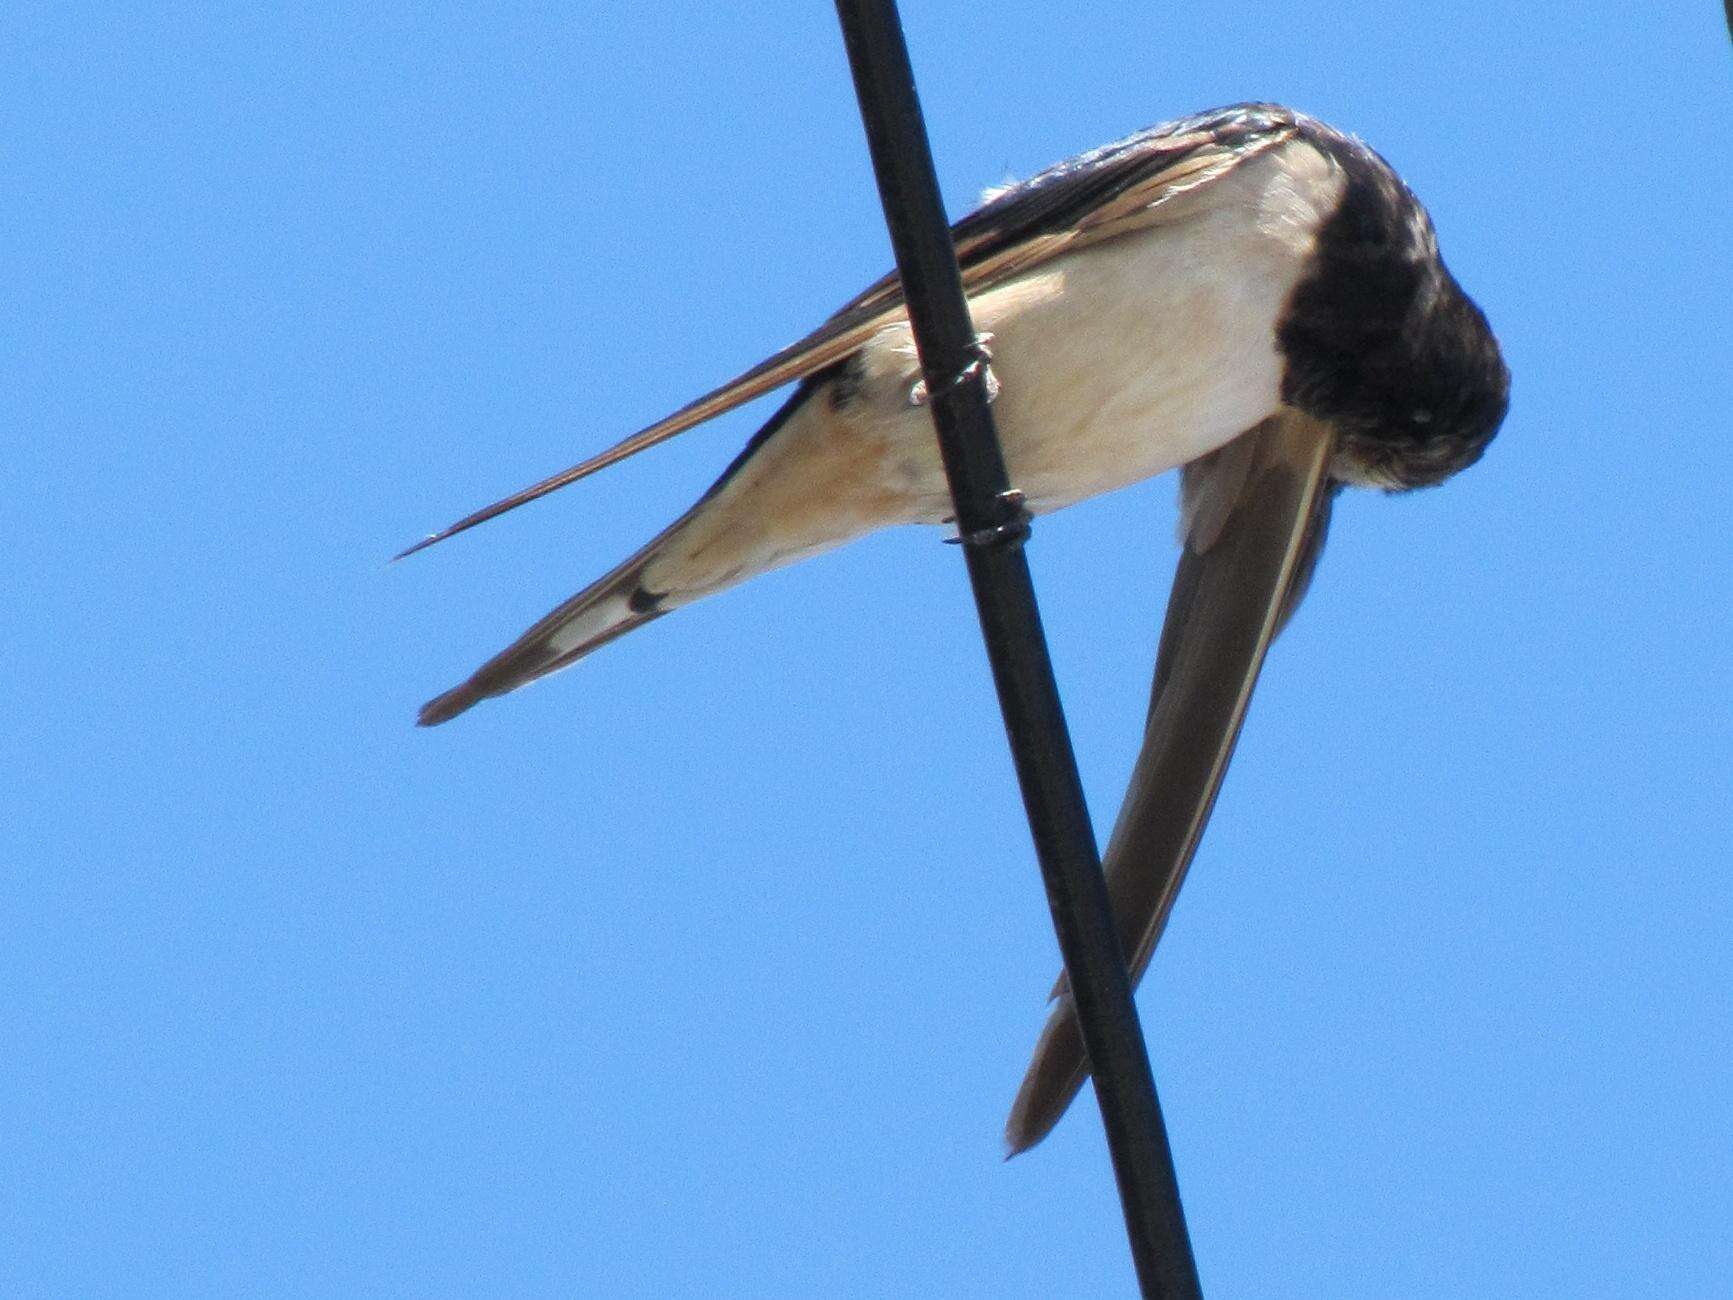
<point>1381,342</point>
<point>1431,414</point>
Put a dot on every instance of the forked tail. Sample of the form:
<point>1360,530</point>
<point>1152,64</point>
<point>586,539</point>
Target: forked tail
<point>610,607</point>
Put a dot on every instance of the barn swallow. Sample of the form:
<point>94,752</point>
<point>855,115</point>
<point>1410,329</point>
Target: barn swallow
<point>1247,293</point>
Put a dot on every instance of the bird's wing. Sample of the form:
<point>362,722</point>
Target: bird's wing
<point>1255,516</point>
<point>1110,192</point>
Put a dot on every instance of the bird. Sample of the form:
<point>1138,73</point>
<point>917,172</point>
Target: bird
<point>1247,295</point>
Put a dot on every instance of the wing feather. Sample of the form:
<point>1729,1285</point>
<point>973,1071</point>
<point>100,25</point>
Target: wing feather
<point>1255,516</point>
<point>1098,196</point>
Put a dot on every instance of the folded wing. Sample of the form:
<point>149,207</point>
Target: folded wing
<point>1101,195</point>
<point>1254,517</point>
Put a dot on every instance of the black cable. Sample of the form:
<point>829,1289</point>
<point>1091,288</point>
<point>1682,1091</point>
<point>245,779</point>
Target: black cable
<point>992,525</point>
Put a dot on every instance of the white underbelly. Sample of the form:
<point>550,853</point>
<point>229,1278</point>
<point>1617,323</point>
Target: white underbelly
<point>1139,365</point>
<point>1114,364</point>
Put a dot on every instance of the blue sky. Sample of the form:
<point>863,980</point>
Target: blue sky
<point>712,965</point>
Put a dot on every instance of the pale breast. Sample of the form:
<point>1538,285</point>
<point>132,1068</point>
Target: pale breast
<point>1130,358</point>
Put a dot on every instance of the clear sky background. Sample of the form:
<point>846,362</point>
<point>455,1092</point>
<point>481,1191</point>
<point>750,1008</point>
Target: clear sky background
<point>712,965</point>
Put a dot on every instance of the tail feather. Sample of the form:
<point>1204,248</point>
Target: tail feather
<point>610,607</point>
<point>758,515</point>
